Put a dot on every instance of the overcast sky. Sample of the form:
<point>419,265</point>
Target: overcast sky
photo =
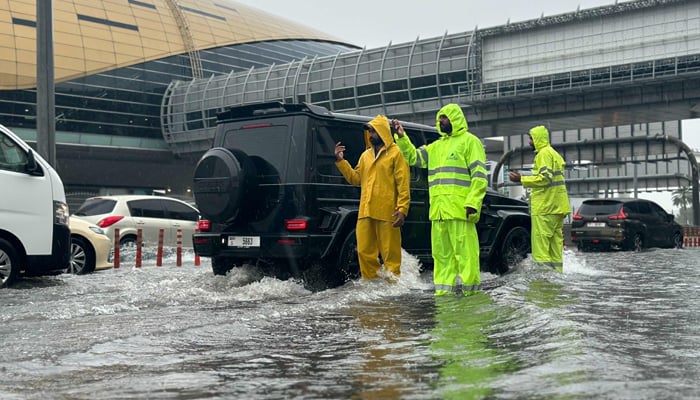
<point>376,23</point>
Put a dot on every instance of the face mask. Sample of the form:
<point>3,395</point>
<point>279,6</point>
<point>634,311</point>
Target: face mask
<point>375,140</point>
<point>446,127</point>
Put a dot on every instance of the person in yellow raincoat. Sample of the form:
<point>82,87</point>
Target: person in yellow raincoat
<point>549,201</point>
<point>457,183</point>
<point>384,179</point>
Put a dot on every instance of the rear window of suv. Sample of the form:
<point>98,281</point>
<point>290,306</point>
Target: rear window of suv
<point>267,145</point>
<point>96,207</point>
<point>599,208</point>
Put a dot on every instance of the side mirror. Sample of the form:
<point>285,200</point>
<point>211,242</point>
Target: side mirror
<point>32,168</point>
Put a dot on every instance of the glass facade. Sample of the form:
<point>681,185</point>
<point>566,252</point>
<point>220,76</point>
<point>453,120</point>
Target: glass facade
<point>115,59</point>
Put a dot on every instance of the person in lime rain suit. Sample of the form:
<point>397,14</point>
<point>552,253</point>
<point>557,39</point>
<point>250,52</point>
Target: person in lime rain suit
<point>384,179</point>
<point>549,201</point>
<point>457,183</point>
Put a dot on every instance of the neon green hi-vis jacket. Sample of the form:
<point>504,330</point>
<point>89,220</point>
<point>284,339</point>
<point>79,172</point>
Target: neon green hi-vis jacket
<point>547,186</point>
<point>456,163</point>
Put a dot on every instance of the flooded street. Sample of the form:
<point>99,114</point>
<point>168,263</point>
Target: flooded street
<point>613,326</point>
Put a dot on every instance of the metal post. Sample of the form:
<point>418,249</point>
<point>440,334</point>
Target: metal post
<point>45,102</point>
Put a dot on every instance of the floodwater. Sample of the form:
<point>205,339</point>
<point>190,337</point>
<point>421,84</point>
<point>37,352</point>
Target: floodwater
<point>612,326</point>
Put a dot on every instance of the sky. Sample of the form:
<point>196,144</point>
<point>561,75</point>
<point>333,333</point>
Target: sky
<point>377,23</point>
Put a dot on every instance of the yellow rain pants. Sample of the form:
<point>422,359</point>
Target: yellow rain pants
<point>375,237</point>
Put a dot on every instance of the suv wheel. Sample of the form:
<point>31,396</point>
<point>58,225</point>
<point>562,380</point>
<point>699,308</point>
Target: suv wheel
<point>221,265</point>
<point>677,240</point>
<point>9,263</point>
<point>222,180</point>
<point>637,242</point>
<point>514,248</point>
<point>348,262</point>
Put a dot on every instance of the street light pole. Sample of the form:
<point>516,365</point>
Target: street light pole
<point>45,102</point>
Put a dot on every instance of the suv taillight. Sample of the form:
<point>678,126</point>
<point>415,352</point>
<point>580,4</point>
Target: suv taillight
<point>109,221</point>
<point>620,215</point>
<point>295,224</point>
<point>203,225</point>
<point>576,216</point>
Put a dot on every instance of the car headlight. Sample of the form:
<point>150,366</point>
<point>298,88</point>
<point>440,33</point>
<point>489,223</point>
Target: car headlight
<point>60,213</point>
<point>97,230</point>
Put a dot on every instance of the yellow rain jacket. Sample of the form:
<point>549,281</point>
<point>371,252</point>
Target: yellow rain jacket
<point>547,186</point>
<point>380,197</point>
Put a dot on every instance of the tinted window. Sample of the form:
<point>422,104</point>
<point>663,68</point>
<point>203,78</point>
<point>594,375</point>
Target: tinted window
<point>267,145</point>
<point>656,209</point>
<point>643,208</point>
<point>176,210</point>
<point>350,135</point>
<point>96,207</point>
<point>150,208</point>
<point>599,208</point>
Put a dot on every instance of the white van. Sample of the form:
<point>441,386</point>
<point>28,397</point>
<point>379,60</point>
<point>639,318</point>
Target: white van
<point>34,232</point>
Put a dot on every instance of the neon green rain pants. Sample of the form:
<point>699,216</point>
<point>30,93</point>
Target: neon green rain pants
<point>548,241</point>
<point>455,246</point>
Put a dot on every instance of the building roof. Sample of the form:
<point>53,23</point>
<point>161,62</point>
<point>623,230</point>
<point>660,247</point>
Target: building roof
<point>95,36</point>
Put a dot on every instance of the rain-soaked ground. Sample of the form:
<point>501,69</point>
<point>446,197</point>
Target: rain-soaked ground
<point>612,326</point>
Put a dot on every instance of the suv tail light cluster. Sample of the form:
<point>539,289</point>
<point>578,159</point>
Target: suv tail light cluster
<point>620,215</point>
<point>203,225</point>
<point>109,221</point>
<point>577,216</point>
<point>295,224</point>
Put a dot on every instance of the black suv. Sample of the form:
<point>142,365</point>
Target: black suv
<point>271,195</point>
<point>624,224</point>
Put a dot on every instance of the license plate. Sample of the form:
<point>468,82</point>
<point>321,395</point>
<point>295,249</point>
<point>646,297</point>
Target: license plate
<point>244,241</point>
<point>595,224</point>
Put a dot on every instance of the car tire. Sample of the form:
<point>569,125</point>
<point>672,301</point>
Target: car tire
<point>221,265</point>
<point>127,243</point>
<point>677,240</point>
<point>348,261</point>
<point>513,249</point>
<point>223,179</point>
<point>9,264</point>
<point>82,256</point>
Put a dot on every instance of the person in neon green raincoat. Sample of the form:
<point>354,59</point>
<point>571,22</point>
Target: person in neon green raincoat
<point>549,201</point>
<point>384,180</point>
<point>457,183</point>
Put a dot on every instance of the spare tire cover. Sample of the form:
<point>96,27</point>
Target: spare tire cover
<point>221,179</point>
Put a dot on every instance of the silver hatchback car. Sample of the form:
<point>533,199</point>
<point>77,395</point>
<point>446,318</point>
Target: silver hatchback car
<point>150,213</point>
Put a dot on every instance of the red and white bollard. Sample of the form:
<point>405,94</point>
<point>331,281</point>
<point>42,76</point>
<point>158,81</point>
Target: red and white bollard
<point>178,251</point>
<point>159,252</point>
<point>116,248</point>
<point>139,245</point>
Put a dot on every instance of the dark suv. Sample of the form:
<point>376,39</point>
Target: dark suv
<point>624,224</point>
<point>270,194</point>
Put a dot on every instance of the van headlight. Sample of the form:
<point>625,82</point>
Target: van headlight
<point>60,213</point>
